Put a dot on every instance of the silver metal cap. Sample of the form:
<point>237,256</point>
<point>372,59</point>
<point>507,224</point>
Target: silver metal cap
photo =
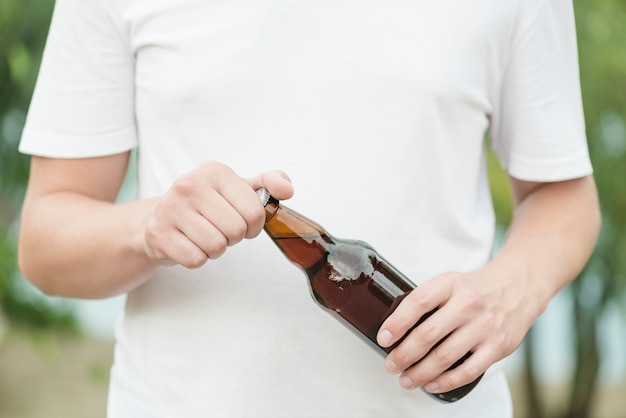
<point>264,195</point>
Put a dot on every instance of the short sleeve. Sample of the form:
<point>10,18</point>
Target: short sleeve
<point>83,103</point>
<point>538,129</point>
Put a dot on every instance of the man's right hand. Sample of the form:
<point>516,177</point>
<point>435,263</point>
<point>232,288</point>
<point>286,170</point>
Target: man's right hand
<point>207,210</point>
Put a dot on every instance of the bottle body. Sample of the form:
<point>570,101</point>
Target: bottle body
<point>348,278</point>
<point>352,282</point>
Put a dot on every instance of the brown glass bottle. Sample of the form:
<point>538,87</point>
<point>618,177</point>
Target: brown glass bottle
<point>348,278</point>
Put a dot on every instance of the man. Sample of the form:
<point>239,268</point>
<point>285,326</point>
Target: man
<point>377,112</point>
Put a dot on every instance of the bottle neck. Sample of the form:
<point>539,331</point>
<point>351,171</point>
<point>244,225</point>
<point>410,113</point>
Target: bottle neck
<point>269,203</point>
<point>301,240</point>
<point>271,207</point>
<point>283,222</point>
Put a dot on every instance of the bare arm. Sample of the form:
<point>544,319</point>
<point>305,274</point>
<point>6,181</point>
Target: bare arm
<point>489,311</point>
<point>75,241</point>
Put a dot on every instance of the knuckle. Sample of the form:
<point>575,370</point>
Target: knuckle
<point>459,377</point>
<point>196,260</point>
<point>216,245</point>
<point>185,185</point>
<point>501,342</point>
<point>238,231</point>
<point>214,171</point>
<point>164,210</point>
<point>474,302</point>
<point>211,165</point>
<point>469,373</point>
<point>217,254</point>
<point>419,301</point>
<point>400,358</point>
<point>256,214</point>
<point>427,333</point>
<point>502,345</point>
<point>449,381</point>
<point>420,374</point>
<point>490,319</point>
<point>445,355</point>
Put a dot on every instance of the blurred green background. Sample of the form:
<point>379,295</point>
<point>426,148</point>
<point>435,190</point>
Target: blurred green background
<point>55,353</point>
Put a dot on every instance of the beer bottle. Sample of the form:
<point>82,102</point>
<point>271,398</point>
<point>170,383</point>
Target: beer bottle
<point>347,278</point>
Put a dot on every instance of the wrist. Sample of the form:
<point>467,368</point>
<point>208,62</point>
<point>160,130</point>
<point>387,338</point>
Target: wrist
<point>141,212</point>
<point>520,281</point>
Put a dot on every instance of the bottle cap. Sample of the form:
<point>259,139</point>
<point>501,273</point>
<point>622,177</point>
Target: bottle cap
<point>264,195</point>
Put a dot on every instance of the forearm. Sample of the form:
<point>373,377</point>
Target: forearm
<point>553,233</point>
<point>76,246</point>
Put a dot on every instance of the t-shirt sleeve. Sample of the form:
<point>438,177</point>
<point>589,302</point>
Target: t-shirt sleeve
<point>83,103</point>
<point>538,129</point>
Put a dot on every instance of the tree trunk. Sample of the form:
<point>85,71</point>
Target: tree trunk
<point>583,386</point>
<point>534,407</point>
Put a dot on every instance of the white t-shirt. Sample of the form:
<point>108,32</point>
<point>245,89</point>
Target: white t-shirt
<point>376,110</point>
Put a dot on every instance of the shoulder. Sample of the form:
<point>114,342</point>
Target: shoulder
<point>531,13</point>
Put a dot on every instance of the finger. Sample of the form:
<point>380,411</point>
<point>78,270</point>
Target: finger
<point>173,247</point>
<point>467,372</point>
<point>244,216</point>
<point>187,212</point>
<point>215,190</point>
<point>224,215</point>
<point>420,341</point>
<point>276,182</point>
<point>450,353</point>
<point>205,235</point>
<point>413,307</point>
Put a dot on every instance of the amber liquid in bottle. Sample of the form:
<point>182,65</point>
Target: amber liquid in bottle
<point>348,278</point>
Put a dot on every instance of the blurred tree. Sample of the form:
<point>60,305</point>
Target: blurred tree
<point>601,27</point>
<point>23,29</point>
<point>602,40</point>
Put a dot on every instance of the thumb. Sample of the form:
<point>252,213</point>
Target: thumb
<point>276,182</point>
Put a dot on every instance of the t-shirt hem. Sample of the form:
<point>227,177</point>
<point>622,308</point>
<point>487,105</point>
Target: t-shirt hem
<point>73,146</point>
<point>561,169</point>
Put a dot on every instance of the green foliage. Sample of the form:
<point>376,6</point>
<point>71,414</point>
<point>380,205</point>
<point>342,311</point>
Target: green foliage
<point>23,29</point>
<point>602,37</point>
<point>500,190</point>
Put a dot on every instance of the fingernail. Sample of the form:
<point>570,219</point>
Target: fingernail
<point>406,382</point>
<point>384,338</point>
<point>431,387</point>
<point>391,367</point>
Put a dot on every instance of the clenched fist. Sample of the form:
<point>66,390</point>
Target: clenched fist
<point>207,210</point>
